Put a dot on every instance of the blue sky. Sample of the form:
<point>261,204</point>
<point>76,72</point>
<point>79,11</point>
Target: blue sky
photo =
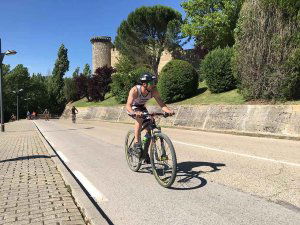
<point>37,28</point>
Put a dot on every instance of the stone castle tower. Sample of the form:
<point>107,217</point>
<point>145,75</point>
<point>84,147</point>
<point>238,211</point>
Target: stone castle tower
<point>101,51</point>
<point>105,54</point>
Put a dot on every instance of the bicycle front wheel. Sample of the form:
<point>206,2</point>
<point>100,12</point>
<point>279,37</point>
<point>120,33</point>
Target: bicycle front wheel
<point>163,160</point>
<point>132,159</point>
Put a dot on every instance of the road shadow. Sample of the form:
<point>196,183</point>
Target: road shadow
<point>85,128</point>
<point>28,157</point>
<point>188,174</point>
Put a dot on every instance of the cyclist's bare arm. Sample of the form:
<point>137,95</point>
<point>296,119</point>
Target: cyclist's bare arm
<point>161,103</point>
<point>133,94</point>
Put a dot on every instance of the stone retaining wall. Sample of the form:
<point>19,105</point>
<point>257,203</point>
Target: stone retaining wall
<point>272,120</point>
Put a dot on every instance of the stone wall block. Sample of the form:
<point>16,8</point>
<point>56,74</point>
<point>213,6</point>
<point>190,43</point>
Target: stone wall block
<point>225,117</point>
<point>293,127</point>
<point>279,120</point>
<point>185,116</point>
<point>200,115</point>
<point>112,113</point>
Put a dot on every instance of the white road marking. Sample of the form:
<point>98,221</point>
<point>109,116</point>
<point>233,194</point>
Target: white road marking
<point>239,154</point>
<point>97,195</point>
<point>62,156</point>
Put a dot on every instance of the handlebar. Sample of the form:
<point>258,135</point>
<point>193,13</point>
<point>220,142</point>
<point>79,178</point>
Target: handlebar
<point>164,114</point>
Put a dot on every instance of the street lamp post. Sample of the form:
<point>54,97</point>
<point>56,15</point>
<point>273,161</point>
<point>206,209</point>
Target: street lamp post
<point>9,52</point>
<point>26,99</point>
<point>17,92</point>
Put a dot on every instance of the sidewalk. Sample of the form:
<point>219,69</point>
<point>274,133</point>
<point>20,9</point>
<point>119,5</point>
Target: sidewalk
<point>32,190</point>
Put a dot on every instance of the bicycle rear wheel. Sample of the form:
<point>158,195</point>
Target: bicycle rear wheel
<point>132,159</point>
<point>163,160</point>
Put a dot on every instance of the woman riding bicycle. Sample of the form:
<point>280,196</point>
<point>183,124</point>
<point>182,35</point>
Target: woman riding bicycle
<point>135,105</point>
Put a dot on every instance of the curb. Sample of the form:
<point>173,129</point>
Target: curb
<point>89,208</point>
<point>248,134</point>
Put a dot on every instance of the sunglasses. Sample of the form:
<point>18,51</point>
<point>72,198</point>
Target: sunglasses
<point>151,83</point>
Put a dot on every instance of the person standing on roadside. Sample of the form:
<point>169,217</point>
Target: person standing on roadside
<point>28,115</point>
<point>46,113</point>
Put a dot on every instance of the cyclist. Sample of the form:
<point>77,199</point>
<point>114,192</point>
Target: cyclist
<point>135,106</point>
<point>74,111</point>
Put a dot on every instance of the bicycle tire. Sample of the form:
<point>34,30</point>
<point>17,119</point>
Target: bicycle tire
<point>129,153</point>
<point>153,151</point>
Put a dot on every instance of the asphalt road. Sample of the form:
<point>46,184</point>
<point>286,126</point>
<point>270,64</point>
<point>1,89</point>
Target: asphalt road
<point>222,178</point>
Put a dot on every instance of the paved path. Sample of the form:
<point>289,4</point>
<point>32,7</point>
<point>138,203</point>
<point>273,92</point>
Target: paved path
<point>32,190</point>
<point>222,179</point>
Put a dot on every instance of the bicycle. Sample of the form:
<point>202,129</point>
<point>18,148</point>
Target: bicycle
<point>162,153</point>
<point>74,118</point>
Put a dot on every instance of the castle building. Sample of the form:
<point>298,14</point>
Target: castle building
<point>103,53</point>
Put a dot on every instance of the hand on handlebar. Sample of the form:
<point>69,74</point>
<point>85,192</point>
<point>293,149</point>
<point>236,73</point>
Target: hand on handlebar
<point>171,113</point>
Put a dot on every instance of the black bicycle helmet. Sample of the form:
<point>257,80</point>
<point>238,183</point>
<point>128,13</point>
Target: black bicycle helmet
<point>147,77</point>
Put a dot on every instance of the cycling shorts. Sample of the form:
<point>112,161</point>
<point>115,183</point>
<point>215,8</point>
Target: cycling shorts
<point>137,108</point>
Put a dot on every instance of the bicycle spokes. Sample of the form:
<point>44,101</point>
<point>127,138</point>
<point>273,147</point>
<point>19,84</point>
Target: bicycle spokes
<point>163,161</point>
<point>132,158</point>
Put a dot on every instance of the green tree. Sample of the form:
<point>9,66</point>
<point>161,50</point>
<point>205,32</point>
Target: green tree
<point>5,69</point>
<point>70,92</point>
<point>125,65</point>
<point>267,49</point>
<point>76,72</point>
<point>87,70</point>
<point>38,96</point>
<point>61,66</point>
<point>15,80</point>
<point>211,22</point>
<point>122,82</point>
<point>147,32</point>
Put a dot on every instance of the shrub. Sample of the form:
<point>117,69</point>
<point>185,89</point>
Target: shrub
<point>123,82</point>
<point>216,70</point>
<point>177,80</point>
<point>81,84</point>
<point>98,84</point>
<point>267,55</point>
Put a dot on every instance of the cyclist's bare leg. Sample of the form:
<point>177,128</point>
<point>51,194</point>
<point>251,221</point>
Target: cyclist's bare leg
<point>137,129</point>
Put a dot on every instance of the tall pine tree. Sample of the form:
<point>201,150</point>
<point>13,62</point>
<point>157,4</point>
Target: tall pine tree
<point>87,70</point>
<point>76,72</point>
<point>61,66</point>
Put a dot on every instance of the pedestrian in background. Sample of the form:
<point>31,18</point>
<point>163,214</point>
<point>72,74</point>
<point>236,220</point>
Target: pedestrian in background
<point>46,113</point>
<point>28,115</point>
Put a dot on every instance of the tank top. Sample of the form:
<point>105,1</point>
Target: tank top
<point>141,99</point>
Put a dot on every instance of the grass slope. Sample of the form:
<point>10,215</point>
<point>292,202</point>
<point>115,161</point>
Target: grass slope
<point>203,97</point>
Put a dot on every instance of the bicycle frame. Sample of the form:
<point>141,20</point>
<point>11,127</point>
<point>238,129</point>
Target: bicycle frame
<point>149,124</point>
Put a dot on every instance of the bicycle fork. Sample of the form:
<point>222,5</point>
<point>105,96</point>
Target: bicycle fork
<point>160,154</point>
